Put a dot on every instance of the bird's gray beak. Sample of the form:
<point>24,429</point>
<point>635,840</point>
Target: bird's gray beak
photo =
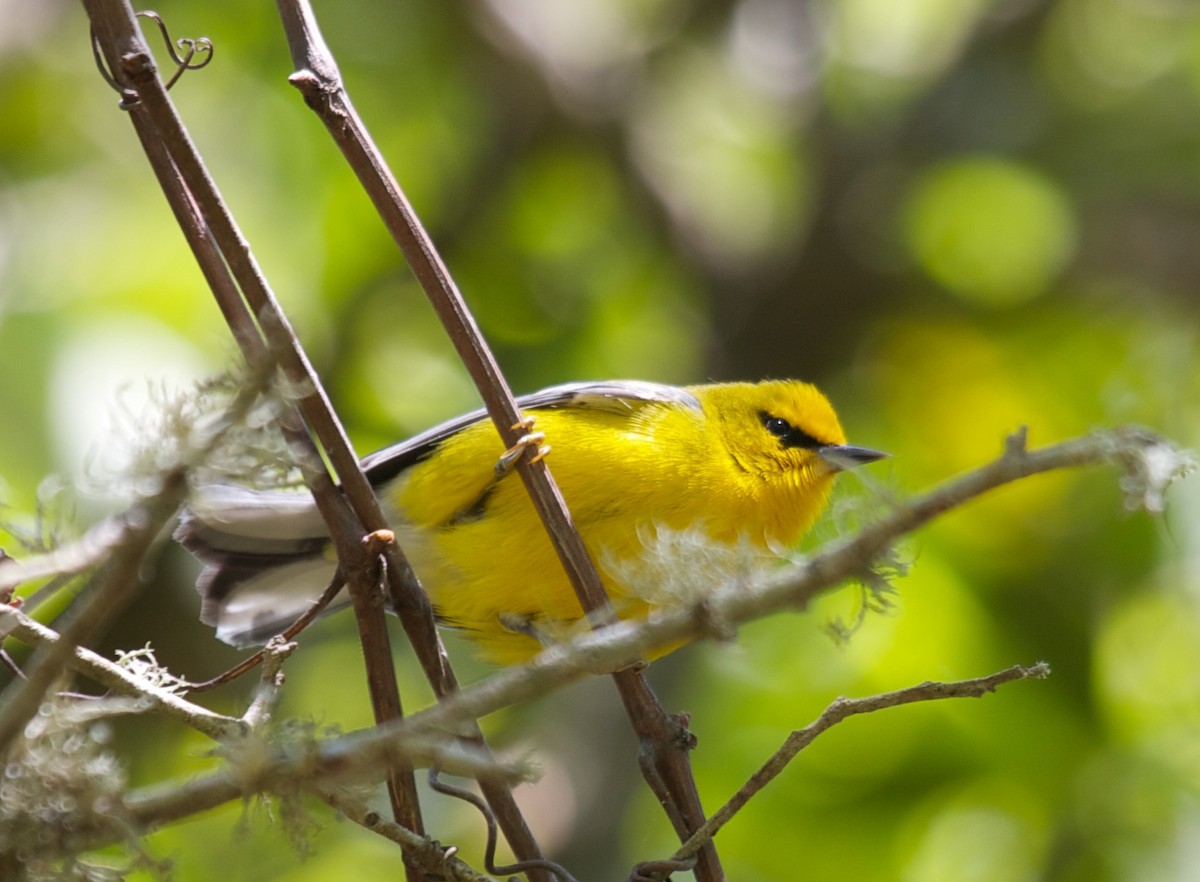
<point>844,457</point>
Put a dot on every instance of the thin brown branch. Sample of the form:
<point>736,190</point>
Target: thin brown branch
<point>408,598</point>
<point>842,709</point>
<point>194,196</point>
<point>319,81</point>
<point>430,856</point>
<point>492,840</point>
<point>664,741</point>
<point>336,584</point>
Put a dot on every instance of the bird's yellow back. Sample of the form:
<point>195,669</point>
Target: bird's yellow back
<point>666,497</point>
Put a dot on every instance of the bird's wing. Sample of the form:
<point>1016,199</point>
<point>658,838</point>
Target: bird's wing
<point>616,396</point>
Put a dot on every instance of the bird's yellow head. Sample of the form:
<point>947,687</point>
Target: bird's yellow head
<point>785,437</point>
<point>775,427</point>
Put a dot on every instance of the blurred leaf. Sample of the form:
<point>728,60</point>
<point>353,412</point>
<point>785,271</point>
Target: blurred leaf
<point>991,231</point>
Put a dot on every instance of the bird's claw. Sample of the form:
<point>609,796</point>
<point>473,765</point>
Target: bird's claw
<point>529,440</point>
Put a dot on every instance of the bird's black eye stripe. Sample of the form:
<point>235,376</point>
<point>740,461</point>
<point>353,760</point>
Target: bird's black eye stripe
<point>788,434</point>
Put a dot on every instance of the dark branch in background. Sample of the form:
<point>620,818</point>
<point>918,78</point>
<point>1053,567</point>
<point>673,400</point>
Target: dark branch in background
<point>664,739</point>
<point>231,270</point>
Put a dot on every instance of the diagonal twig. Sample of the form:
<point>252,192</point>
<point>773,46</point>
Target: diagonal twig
<point>429,854</point>
<point>842,709</point>
<point>232,272</point>
<point>663,738</point>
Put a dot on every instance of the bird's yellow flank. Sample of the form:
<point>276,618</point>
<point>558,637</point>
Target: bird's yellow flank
<point>674,491</point>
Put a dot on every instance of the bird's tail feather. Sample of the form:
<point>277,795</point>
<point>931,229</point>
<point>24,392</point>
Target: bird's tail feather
<point>266,556</point>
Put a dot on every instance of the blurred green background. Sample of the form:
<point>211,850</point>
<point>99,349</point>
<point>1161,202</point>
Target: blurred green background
<point>957,217</point>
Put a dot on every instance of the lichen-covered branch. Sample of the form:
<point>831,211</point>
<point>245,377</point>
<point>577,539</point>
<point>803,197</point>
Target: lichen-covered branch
<point>121,680</point>
<point>1148,464</point>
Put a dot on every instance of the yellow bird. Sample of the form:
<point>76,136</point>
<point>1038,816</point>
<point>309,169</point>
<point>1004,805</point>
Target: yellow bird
<point>675,491</point>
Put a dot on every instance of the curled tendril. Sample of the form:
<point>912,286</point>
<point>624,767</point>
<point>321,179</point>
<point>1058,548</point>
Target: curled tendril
<point>197,53</point>
<point>186,53</point>
<point>489,860</point>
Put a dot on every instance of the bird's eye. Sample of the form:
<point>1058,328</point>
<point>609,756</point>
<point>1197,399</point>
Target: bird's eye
<point>777,426</point>
<point>789,435</point>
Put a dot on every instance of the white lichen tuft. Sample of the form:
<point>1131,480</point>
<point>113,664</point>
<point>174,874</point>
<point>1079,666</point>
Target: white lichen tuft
<point>227,427</point>
<point>250,757</point>
<point>61,786</point>
<point>682,567</point>
<point>52,524</point>
<point>1150,465</point>
<point>144,666</point>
